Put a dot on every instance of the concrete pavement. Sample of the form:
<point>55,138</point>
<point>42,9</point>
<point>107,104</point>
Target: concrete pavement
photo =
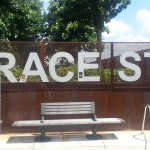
<point>122,140</point>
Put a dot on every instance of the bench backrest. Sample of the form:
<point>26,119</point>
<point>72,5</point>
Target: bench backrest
<point>67,108</point>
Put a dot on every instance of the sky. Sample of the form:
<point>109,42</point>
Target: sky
<point>131,25</point>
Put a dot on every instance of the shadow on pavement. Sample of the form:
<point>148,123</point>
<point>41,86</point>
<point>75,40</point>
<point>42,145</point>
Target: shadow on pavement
<point>59,138</point>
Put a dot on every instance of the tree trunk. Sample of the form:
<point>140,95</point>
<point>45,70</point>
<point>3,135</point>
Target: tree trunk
<point>99,48</point>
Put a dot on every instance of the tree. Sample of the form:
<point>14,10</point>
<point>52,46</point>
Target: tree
<point>21,20</point>
<point>63,29</point>
<point>87,15</point>
<point>82,20</point>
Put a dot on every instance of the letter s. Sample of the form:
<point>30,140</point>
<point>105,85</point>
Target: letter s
<point>137,70</point>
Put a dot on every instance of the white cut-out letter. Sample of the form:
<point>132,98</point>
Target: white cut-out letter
<point>52,65</point>
<point>82,66</point>
<point>125,63</point>
<point>33,57</point>
<point>6,68</point>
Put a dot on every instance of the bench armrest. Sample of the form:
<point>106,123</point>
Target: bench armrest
<point>94,117</point>
<point>42,119</point>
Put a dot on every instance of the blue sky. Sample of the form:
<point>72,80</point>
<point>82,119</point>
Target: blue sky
<point>128,15</point>
<point>131,25</point>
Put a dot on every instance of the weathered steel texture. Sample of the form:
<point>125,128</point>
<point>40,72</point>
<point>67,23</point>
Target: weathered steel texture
<point>122,103</point>
<point>22,101</point>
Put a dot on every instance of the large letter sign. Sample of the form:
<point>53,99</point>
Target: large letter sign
<point>11,64</point>
<point>33,57</point>
<point>137,70</point>
<point>84,62</point>
<point>52,65</point>
<point>82,66</point>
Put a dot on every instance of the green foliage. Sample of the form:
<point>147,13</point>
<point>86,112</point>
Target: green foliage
<point>34,79</point>
<point>92,72</point>
<point>67,20</point>
<point>17,72</point>
<point>76,20</point>
<point>21,20</point>
<point>61,29</point>
<point>106,74</point>
<point>62,71</point>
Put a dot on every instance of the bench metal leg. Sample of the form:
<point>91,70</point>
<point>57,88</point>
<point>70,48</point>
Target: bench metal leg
<point>42,138</point>
<point>94,131</point>
<point>42,133</point>
<point>94,135</point>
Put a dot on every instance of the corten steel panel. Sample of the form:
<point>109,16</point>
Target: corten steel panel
<point>113,99</point>
<point>124,103</point>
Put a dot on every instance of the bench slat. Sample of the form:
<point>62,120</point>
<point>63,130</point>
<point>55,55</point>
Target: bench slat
<point>67,108</point>
<point>69,103</point>
<point>67,112</point>
<point>67,122</point>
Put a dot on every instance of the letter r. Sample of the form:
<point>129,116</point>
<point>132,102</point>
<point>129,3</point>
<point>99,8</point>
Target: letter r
<point>6,68</point>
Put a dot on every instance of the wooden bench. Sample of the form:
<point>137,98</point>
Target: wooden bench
<point>68,108</point>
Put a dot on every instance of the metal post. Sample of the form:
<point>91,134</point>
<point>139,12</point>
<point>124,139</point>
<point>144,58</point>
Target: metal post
<point>146,107</point>
<point>112,65</point>
<point>0,99</point>
<point>42,52</point>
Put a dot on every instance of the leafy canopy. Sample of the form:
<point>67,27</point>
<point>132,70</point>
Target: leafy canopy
<point>21,19</point>
<point>81,20</point>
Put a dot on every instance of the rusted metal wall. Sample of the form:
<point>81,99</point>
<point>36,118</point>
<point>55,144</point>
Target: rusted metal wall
<point>113,97</point>
<point>24,104</point>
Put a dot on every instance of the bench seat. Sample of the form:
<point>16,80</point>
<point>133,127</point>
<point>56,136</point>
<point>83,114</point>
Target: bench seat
<point>87,121</point>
